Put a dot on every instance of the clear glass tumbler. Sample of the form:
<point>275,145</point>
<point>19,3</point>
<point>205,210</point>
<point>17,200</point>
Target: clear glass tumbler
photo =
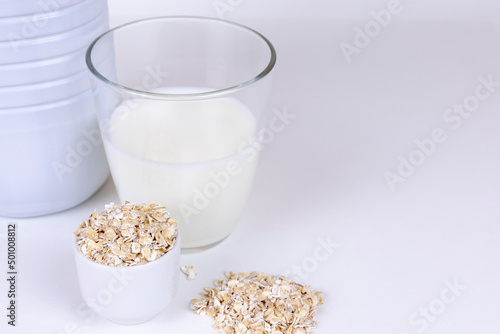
<point>179,112</point>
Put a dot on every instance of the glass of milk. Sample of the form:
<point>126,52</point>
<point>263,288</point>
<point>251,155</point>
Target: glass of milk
<point>179,111</point>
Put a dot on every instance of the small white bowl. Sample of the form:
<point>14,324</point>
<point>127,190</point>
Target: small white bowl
<point>52,157</point>
<point>129,295</point>
<point>25,50</point>
<point>50,22</point>
<point>24,7</point>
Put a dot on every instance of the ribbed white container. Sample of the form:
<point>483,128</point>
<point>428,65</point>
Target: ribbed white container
<point>30,49</point>
<point>51,153</point>
<point>48,23</point>
<point>34,7</point>
<point>28,73</point>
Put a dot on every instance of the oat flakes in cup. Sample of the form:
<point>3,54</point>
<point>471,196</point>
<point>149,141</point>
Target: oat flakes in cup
<point>128,260</point>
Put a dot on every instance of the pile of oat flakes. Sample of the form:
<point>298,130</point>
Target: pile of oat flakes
<point>258,303</point>
<point>127,235</point>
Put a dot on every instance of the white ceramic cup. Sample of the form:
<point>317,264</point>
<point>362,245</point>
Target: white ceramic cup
<point>129,295</point>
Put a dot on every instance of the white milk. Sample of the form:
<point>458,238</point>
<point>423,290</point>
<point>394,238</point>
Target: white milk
<point>187,156</point>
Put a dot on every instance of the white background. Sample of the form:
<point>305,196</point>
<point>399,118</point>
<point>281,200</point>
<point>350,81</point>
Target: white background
<point>322,178</point>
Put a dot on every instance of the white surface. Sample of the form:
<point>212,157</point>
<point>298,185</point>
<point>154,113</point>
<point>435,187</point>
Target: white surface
<point>323,177</point>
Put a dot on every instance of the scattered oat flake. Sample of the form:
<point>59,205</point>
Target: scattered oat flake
<point>127,235</point>
<point>189,272</point>
<point>259,303</point>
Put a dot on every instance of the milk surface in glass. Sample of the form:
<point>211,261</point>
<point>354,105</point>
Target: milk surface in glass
<point>191,156</point>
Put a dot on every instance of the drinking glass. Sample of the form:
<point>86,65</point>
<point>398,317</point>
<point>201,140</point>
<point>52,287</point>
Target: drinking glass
<point>179,113</point>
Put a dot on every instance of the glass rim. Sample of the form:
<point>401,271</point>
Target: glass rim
<point>181,96</point>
